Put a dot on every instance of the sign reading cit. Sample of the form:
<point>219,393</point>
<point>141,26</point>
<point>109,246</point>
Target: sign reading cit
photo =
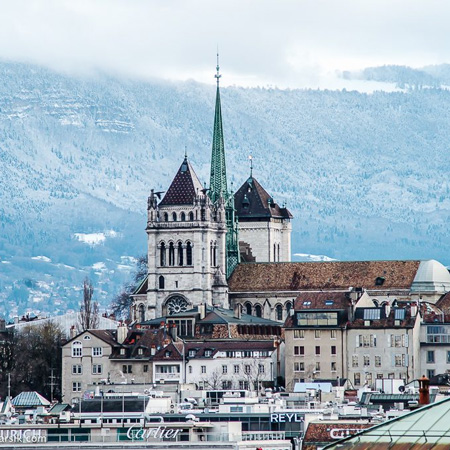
<point>27,436</point>
<point>286,417</point>
<point>143,434</point>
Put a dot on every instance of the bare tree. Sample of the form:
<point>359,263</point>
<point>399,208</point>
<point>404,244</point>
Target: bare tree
<point>88,317</point>
<point>213,380</point>
<point>253,371</point>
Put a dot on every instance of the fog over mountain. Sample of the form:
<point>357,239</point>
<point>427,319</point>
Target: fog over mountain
<point>365,175</point>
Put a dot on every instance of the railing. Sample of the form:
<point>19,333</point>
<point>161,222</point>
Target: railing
<point>263,436</point>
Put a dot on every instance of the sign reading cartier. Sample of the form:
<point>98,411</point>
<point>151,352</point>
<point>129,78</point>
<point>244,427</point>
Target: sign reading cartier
<point>141,434</point>
<point>27,436</point>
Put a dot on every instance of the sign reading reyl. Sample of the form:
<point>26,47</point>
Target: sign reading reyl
<point>286,417</point>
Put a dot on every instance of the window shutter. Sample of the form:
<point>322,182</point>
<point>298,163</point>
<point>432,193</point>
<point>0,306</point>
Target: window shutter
<point>406,341</point>
<point>357,341</point>
<point>406,360</point>
<point>374,340</point>
<point>389,340</point>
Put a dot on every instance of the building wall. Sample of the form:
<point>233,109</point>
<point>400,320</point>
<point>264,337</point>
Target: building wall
<point>314,354</point>
<point>434,349</point>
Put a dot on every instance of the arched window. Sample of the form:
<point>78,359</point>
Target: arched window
<point>182,216</point>
<point>191,216</point>
<point>180,254</point>
<point>278,252</point>
<point>77,349</point>
<point>188,254</point>
<point>171,254</point>
<point>288,308</point>
<point>166,217</point>
<point>279,312</point>
<point>162,254</point>
<point>258,311</point>
<point>214,255</point>
<point>248,308</point>
<point>211,253</point>
<point>161,282</point>
<point>141,313</point>
<point>274,252</point>
<point>174,216</point>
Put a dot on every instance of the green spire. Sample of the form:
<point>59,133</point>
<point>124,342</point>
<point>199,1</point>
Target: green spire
<point>218,179</point>
<point>218,185</point>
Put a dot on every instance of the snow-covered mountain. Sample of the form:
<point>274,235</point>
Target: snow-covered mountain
<point>365,175</point>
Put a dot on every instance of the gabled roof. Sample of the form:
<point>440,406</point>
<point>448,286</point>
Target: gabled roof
<point>172,350</point>
<point>252,201</point>
<point>297,276</point>
<point>29,399</point>
<point>141,339</point>
<point>185,186</point>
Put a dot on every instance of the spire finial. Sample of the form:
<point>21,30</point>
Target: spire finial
<point>185,152</point>
<point>250,157</point>
<point>217,75</point>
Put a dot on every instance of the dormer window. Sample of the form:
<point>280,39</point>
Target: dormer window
<point>122,351</point>
<point>87,338</point>
<point>329,302</point>
<point>208,353</point>
<point>307,303</point>
<point>192,353</point>
<point>140,351</point>
<point>167,354</point>
<point>379,281</point>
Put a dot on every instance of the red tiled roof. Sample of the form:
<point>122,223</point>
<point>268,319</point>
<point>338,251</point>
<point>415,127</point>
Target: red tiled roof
<point>321,300</point>
<point>185,186</point>
<point>297,276</point>
<point>330,432</point>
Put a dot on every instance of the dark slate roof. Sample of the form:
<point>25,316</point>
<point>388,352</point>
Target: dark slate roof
<point>142,287</point>
<point>298,276</point>
<point>407,321</point>
<point>176,354</point>
<point>141,339</point>
<point>252,201</point>
<point>185,186</point>
<point>58,408</point>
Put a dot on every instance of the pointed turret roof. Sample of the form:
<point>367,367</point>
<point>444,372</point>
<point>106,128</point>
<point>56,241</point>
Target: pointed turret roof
<point>253,201</point>
<point>218,179</point>
<point>185,186</point>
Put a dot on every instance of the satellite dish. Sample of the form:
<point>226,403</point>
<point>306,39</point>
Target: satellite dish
<point>401,389</point>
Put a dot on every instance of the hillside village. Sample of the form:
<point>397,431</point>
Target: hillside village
<point>224,323</point>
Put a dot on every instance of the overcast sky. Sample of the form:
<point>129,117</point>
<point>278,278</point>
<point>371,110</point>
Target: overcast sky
<point>298,43</point>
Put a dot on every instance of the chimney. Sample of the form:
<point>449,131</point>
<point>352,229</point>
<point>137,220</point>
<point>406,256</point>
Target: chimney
<point>202,310</point>
<point>174,332</point>
<point>237,311</point>
<point>152,350</point>
<point>122,332</point>
<point>413,309</point>
<point>424,391</point>
<point>73,332</point>
<point>387,309</point>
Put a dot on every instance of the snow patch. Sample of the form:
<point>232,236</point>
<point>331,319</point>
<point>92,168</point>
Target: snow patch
<point>41,258</point>
<point>95,238</point>
<point>307,257</point>
<point>99,266</point>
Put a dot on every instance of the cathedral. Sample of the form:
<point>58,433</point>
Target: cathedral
<point>197,236</point>
<point>210,247</point>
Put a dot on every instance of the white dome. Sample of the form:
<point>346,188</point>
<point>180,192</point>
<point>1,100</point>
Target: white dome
<point>431,276</point>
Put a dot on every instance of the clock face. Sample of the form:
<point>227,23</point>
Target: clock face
<point>176,305</point>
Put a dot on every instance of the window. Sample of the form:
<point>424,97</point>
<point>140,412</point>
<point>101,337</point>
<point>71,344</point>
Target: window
<point>161,282</point>
<point>430,373</point>
<point>317,318</point>
<point>299,334</point>
<point>378,361</point>
<point>317,350</point>
<point>192,353</point>
<point>248,309</point>
<point>333,366</point>
<point>317,366</point>
<point>162,254</point>
<point>317,334</point>
<point>243,386</point>
<point>448,357</point>
<point>171,254</point>
<point>127,368</point>
<point>97,351</point>
<point>190,369</point>
<point>299,366</point>
<point>296,350</point>
<point>97,369</point>
<point>398,360</point>
<point>188,254</point>
<point>122,351</point>
<point>208,353</point>
<point>166,217</point>
<point>87,338</point>
<point>366,360</point>
<point>77,369</point>
<point>180,254</point>
<point>333,349</point>
<point>279,312</point>
<point>258,311</point>
<point>396,341</point>
<point>203,369</point>
<point>236,369</point>
<point>430,357</point>
<point>76,386</point>
<point>145,368</point>
<point>226,384</point>
<point>174,216</point>
<point>380,376</point>
<point>77,349</point>
<point>333,334</point>
<point>354,361</point>
<point>224,369</point>
<point>182,216</point>
<point>261,368</point>
<point>140,351</point>
<point>191,216</point>
<point>247,369</point>
<point>357,378</point>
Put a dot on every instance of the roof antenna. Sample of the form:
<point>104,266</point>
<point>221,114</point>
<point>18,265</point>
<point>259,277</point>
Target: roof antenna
<point>185,152</point>
<point>250,157</point>
<point>217,75</point>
